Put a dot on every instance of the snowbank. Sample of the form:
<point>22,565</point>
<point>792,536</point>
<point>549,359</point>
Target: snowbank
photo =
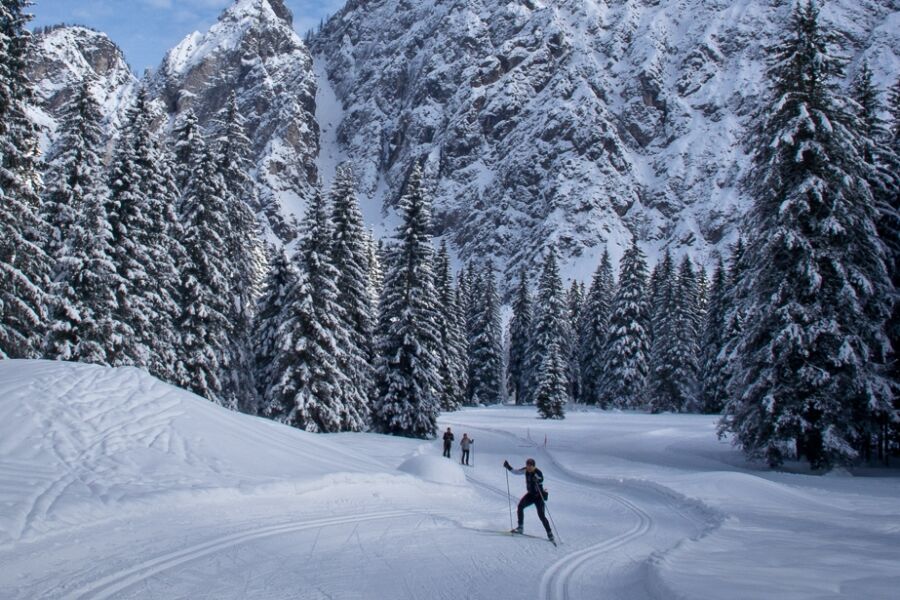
<point>434,469</point>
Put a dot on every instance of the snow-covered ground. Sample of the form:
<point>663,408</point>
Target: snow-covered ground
<point>114,485</point>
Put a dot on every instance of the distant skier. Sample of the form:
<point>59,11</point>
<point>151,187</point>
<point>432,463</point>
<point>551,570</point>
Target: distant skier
<point>535,494</point>
<point>448,442</point>
<point>465,443</point>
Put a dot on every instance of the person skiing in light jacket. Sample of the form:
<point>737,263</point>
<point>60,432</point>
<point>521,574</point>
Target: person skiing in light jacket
<point>465,443</point>
<point>535,494</point>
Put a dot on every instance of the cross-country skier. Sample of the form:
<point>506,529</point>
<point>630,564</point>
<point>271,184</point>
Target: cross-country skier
<point>465,443</point>
<point>448,442</point>
<point>535,494</point>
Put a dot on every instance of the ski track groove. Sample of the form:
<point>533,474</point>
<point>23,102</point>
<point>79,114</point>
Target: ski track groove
<point>112,584</point>
<point>556,580</point>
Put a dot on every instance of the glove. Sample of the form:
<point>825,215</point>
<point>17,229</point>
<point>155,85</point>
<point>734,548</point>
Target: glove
<point>506,464</point>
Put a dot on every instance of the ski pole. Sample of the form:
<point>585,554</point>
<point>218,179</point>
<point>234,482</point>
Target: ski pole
<point>552,522</point>
<point>508,498</point>
<point>473,455</point>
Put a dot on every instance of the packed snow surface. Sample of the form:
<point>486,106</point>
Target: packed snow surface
<point>115,485</point>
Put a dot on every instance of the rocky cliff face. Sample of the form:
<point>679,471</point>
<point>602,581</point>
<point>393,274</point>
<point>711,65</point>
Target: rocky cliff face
<point>575,122</point>
<point>580,123</point>
<point>62,58</point>
<point>254,51</point>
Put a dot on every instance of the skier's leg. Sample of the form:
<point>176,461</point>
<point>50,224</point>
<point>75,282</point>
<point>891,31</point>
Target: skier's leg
<point>524,503</point>
<point>539,504</point>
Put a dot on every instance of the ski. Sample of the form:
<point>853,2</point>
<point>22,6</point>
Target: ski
<point>514,533</point>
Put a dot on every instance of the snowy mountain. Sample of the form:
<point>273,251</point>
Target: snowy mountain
<point>65,56</point>
<point>116,485</point>
<point>579,123</point>
<point>254,51</point>
<point>569,122</point>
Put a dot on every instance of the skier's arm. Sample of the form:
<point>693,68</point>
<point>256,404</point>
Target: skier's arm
<point>511,470</point>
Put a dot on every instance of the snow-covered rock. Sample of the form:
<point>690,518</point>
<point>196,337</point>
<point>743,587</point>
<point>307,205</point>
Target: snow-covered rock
<point>254,51</point>
<point>62,57</point>
<point>579,123</point>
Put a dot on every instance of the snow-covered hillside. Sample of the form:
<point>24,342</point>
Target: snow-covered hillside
<point>113,484</point>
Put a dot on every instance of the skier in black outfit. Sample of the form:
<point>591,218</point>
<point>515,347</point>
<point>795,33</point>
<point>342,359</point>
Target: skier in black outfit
<point>535,494</point>
<point>448,442</point>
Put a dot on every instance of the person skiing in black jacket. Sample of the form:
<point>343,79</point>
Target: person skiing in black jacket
<point>535,494</point>
<point>448,442</point>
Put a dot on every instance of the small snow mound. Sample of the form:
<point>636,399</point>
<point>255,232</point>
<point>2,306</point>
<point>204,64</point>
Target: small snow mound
<point>432,468</point>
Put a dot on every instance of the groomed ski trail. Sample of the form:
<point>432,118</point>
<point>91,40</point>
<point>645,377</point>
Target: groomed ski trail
<point>556,581</point>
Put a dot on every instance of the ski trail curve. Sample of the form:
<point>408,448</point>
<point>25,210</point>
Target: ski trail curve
<point>116,582</point>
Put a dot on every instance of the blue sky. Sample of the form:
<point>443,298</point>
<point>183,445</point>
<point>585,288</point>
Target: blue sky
<point>146,29</point>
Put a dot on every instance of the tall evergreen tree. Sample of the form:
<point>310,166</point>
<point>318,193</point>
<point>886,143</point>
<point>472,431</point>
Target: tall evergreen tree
<point>713,377</point>
<point>550,329</point>
<point>664,388</point>
<point>593,330</point>
<point>82,323</point>
<point>520,324</point>
<point>187,142</point>
<point>24,265</point>
<point>454,366</point>
<point>205,281</point>
<point>311,391</point>
<point>141,210</point>
<point>350,250</point>
<point>628,348</point>
<point>270,314</point>
<point>552,392</point>
<point>807,381</point>
<point>407,353</point>
<point>245,249</point>
<point>571,350</point>
<point>486,344</point>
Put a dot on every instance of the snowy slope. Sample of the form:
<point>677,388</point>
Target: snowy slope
<point>580,123</point>
<point>114,485</point>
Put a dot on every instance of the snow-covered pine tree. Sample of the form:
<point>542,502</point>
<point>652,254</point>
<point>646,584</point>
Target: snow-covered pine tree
<point>808,379</point>
<point>24,265</point>
<point>141,210</point>
<point>83,303</point>
<point>72,159</point>
<point>889,230</point>
<point>187,140</point>
<point>883,160</point>
<point>571,350</point>
<point>408,356</point>
<point>519,341</point>
<point>280,279</point>
<point>663,389</point>
<point>245,249</point>
<point>454,367</point>
<point>592,332</point>
<point>486,345</point>
<point>712,360</point>
<point>349,250</point>
<point>687,337</point>
<point>473,286</point>
<point>205,329</point>
<point>374,252</point>
<point>310,390</point>
<point>702,295</point>
<point>552,392</point>
<point>628,348</point>
<point>550,325</point>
